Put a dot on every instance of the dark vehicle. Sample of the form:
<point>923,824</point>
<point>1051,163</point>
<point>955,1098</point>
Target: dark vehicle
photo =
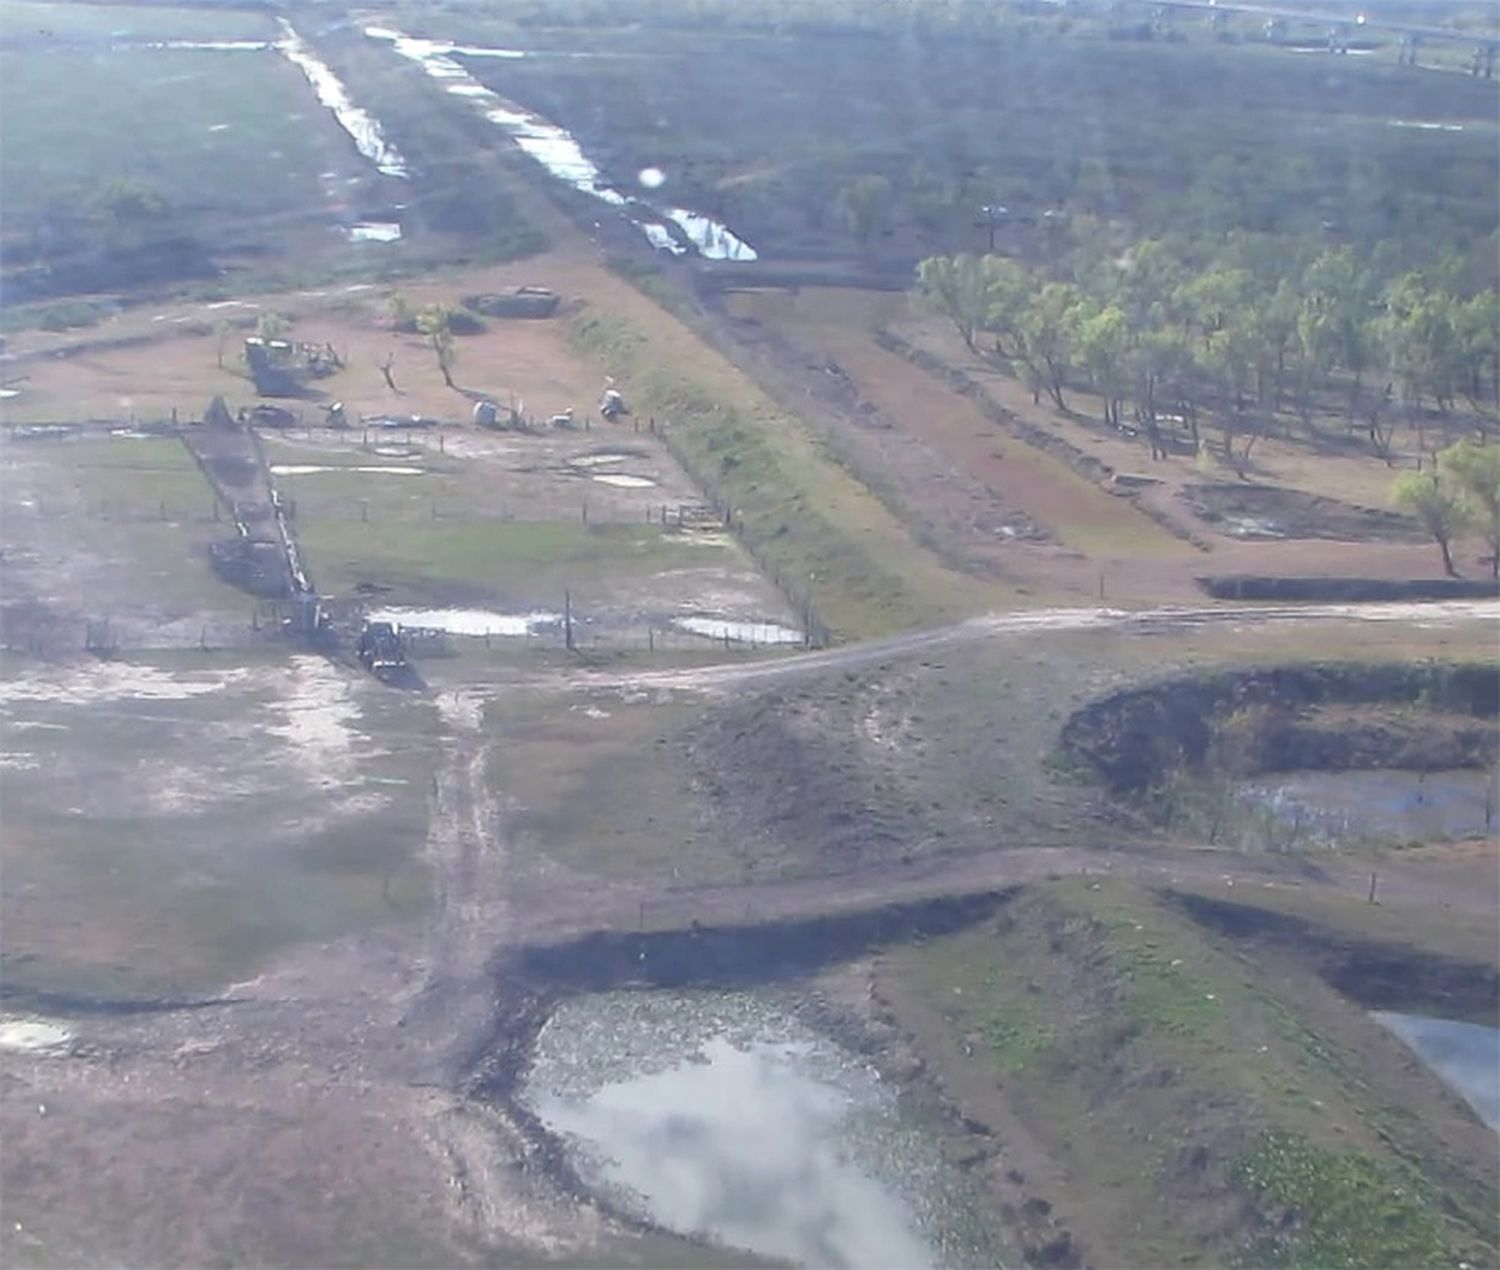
<point>381,648</point>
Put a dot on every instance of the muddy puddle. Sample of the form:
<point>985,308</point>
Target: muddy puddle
<point>312,469</point>
<point>374,232</point>
<point>1465,1055</point>
<point>741,632</point>
<point>600,460</point>
<point>557,150</point>
<point>1425,125</point>
<point>723,1116</point>
<point>33,1036</point>
<point>1385,804</point>
<point>623,480</point>
<point>476,622</point>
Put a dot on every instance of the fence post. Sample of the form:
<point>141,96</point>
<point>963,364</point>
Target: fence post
<point>568,619</point>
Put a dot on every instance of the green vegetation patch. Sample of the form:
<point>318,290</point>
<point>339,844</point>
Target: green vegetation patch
<point>1162,1069</point>
<point>513,561</point>
<point>1346,1208</point>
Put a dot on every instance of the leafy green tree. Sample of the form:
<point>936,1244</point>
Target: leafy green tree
<point>1103,343</point>
<point>1439,506</point>
<point>1160,365</point>
<point>1420,340</point>
<point>1049,332</point>
<point>955,287</point>
<point>1334,322</point>
<point>398,309</point>
<point>272,326</point>
<point>1008,293</point>
<point>1475,470</point>
<point>1214,297</point>
<point>1477,328</point>
<point>436,323</point>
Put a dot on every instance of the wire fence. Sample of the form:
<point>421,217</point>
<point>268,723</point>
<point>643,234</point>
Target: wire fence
<point>47,635</point>
<point>797,593</point>
<point>44,635</point>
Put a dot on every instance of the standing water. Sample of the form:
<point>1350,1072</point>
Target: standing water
<point>555,148</point>
<point>1465,1055</point>
<point>719,1116</point>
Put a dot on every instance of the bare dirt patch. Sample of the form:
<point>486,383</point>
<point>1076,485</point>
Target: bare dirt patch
<point>834,327</point>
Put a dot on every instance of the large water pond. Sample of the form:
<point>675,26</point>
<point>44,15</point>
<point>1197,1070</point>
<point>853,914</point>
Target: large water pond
<point>722,1116</point>
<point>1465,1055</point>
<point>1386,804</point>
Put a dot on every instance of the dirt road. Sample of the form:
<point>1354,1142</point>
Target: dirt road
<point>1040,622</point>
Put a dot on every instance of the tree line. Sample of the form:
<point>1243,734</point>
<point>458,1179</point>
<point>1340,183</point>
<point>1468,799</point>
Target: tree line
<point>1258,335</point>
<point>1256,329</point>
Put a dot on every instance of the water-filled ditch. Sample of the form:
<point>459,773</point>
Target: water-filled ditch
<point>1381,804</point>
<point>1465,1055</point>
<point>558,151</point>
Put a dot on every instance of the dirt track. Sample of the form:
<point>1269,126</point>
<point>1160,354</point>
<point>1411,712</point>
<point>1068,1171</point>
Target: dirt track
<point>1042,621</point>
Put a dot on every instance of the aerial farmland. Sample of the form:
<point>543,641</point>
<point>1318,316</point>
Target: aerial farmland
<point>669,633</point>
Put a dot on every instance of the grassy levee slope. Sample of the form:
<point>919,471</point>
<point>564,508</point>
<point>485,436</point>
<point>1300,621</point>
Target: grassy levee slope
<point>819,531</point>
<point>1208,1106</point>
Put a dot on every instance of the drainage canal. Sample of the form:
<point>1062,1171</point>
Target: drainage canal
<point>1465,1055</point>
<point>556,149</point>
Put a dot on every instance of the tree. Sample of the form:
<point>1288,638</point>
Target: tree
<point>1334,319</point>
<point>1103,340</point>
<point>1008,292</point>
<point>131,213</point>
<point>1475,470</point>
<point>436,323</point>
<point>864,204</point>
<point>1048,337</point>
<point>1420,340</point>
<point>398,309</point>
<point>272,326</point>
<point>955,287</point>
<point>1438,505</point>
<point>1477,324</point>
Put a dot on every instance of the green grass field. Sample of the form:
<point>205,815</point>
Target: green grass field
<point>520,563</point>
